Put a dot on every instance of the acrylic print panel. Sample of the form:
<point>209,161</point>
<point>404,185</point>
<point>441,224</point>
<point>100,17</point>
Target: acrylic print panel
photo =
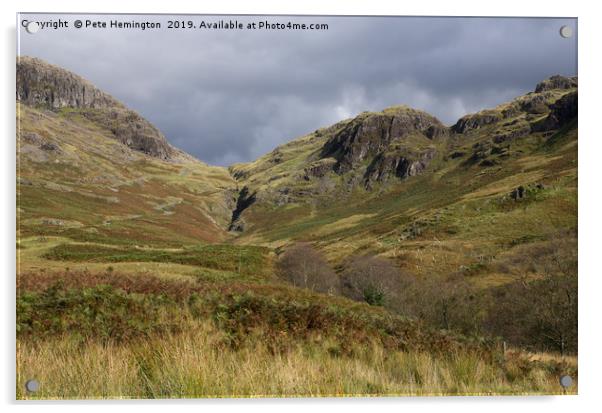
<point>281,206</point>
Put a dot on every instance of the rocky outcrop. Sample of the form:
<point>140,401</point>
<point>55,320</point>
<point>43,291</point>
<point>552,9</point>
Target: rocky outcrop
<point>319,168</point>
<point>400,165</point>
<point>511,131</point>
<point>131,129</point>
<point>562,111</point>
<point>536,103</point>
<point>436,132</point>
<point>245,200</point>
<point>476,121</point>
<point>40,84</point>
<point>556,82</point>
<point>533,103</point>
<point>522,192</point>
<point>371,133</point>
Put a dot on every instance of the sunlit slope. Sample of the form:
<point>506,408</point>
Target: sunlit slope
<point>494,181</point>
<point>76,180</point>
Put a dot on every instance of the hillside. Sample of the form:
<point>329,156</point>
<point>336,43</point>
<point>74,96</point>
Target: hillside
<point>93,170</point>
<point>399,184</point>
<point>181,275</point>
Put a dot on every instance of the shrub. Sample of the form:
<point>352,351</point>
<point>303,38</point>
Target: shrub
<point>373,280</point>
<point>539,309</point>
<point>538,314</point>
<point>446,302</point>
<point>304,267</point>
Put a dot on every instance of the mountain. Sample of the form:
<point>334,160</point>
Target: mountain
<point>376,177</point>
<point>379,180</point>
<point>91,168</point>
<point>43,85</point>
<point>425,244</point>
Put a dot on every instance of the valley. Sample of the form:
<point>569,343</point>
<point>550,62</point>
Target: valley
<point>387,254</point>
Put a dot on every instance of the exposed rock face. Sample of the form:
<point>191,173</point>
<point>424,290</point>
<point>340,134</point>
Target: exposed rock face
<point>561,112</point>
<point>245,200</point>
<point>436,132</point>
<point>556,82</point>
<point>536,103</point>
<point>43,85</point>
<point>401,165</point>
<point>512,131</point>
<point>319,168</point>
<point>371,133</point>
<point>565,109</point>
<point>476,120</point>
<point>132,130</point>
<point>514,120</point>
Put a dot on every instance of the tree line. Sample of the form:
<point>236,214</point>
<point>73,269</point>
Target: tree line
<point>536,311</point>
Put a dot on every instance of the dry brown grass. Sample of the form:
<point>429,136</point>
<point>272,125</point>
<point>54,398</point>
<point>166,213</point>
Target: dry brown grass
<point>196,364</point>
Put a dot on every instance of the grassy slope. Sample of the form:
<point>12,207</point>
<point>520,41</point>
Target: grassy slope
<point>97,213</point>
<point>96,189</point>
<point>143,336</point>
<point>456,215</point>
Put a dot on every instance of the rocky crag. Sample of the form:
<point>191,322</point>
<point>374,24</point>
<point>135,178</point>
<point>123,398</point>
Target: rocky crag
<point>42,85</point>
<point>378,149</point>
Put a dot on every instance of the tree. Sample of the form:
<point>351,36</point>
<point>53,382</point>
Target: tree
<point>372,279</point>
<point>304,267</point>
<point>446,302</point>
<point>540,311</point>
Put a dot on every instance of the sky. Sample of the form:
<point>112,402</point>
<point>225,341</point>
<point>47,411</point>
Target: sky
<point>232,95</point>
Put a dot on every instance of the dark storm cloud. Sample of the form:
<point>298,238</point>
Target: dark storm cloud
<point>231,96</point>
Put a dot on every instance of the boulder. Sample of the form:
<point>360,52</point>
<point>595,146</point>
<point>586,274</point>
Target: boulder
<point>319,168</point>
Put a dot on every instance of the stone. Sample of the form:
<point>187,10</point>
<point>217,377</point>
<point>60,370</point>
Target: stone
<point>50,147</point>
<point>32,138</point>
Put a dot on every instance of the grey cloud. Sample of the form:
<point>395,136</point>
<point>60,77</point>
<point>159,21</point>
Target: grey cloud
<point>230,96</point>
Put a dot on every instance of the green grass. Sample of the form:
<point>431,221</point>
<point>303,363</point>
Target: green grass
<point>246,259</point>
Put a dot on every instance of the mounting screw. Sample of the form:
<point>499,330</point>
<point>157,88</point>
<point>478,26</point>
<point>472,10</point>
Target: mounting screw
<point>566,32</point>
<point>32,27</point>
<point>566,381</point>
<point>32,386</point>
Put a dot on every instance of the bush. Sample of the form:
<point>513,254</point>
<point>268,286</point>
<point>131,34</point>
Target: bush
<point>539,311</point>
<point>373,280</point>
<point>539,314</point>
<point>450,303</point>
<point>304,267</point>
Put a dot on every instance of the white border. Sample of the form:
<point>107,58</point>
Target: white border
<point>590,154</point>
